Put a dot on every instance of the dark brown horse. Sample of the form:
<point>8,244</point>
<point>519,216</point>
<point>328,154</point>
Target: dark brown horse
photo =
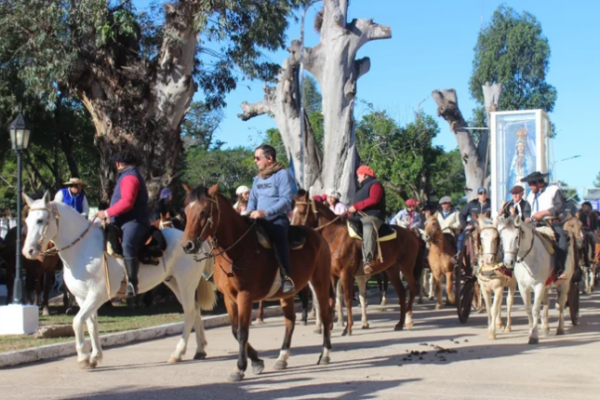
<point>245,271</point>
<point>402,254</point>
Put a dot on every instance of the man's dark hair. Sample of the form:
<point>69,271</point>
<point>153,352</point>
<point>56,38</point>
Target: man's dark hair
<point>586,203</point>
<point>268,151</point>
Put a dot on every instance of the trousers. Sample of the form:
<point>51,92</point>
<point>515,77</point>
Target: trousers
<point>369,237</point>
<point>562,248</point>
<point>278,231</point>
<point>133,234</point>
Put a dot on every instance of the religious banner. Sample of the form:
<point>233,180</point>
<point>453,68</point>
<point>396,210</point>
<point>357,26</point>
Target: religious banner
<point>519,146</point>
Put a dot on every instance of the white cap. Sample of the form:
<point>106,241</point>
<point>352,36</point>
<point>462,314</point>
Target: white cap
<point>242,189</point>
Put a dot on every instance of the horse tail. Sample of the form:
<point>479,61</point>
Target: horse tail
<point>420,261</point>
<point>206,296</point>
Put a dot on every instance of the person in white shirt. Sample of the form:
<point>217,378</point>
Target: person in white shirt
<point>448,218</point>
<point>74,196</point>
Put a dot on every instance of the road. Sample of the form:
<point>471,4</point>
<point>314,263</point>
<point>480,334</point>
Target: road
<point>369,364</point>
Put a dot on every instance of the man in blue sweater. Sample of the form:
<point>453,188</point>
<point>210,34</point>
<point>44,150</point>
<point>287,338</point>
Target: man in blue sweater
<point>271,199</point>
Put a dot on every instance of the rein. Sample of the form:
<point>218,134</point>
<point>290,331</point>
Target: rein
<point>522,258</point>
<point>53,211</point>
<point>313,208</point>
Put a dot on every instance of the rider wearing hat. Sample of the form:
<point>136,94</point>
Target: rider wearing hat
<point>448,218</point>
<point>129,211</point>
<point>409,217</point>
<point>478,206</point>
<point>370,200</point>
<point>74,196</point>
<point>548,201</point>
<point>334,203</point>
<point>243,195</point>
<point>271,199</point>
<point>164,205</point>
<point>518,204</point>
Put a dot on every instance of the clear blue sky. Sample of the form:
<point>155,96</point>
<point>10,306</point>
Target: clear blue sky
<point>432,48</point>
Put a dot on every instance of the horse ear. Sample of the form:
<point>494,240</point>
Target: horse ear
<point>434,216</point>
<point>487,214</point>
<point>46,198</point>
<point>28,200</point>
<point>513,211</point>
<point>474,215</point>
<point>187,188</point>
<point>213,190</point>
<point>518,220</point>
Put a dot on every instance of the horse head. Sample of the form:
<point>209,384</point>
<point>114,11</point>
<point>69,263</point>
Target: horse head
<point>488,239</point>
<point>513,232</point>
<point>304,210</point>
<point>202,217</point>
<point>433,230</point>
<point>41,226</point>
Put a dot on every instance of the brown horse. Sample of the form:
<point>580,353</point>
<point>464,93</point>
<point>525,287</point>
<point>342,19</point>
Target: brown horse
<point>402,254</point>
<point>442,246</point>
<point>245,272</point>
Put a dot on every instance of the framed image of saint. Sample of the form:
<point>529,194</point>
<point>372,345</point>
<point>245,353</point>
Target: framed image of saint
<point>520,145</point>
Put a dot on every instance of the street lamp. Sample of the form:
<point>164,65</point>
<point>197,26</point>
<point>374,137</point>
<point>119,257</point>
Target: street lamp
<point>554,172</point>
<point>19,138</point>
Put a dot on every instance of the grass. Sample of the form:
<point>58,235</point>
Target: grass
<point>110,320</point>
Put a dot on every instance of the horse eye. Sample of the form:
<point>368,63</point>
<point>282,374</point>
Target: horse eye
<point>40,222</point>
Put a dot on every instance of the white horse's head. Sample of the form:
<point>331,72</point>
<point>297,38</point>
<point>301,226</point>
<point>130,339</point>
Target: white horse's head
<point>489,239</point>
<point>514,232</point>
<point>41,226</point>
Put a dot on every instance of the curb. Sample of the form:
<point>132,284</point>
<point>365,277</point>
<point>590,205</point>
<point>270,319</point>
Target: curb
<point>51,351</point>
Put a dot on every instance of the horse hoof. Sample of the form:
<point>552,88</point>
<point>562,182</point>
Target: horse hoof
<point>560,332</point>
<point>258,367</point>
<point>200,356</point>
<point>438,307</point>
<point>534,340</point>
<point>365,326</point>
<point>507,329</point>
<point>345,332</point>
<point>408,325</point>
<point>398,327</point>
<point>45,312</point>
<point>236,376</point>
<point>259,322</point>
<point>420,301</point>
<point>280,365</point>
<point>85,364</point>
<point>324,361</point>
<point>492,336</point>
<point>173,360</point>
<point>304,322</point>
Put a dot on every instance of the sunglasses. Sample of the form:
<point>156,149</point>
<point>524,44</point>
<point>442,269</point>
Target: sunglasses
<point>257,158</point>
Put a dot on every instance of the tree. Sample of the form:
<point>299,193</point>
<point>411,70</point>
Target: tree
<point>597,181</point>
<point>570,193</point>
<point>136,72</point>
<point>311,96</point>
<point>513,50</point>
<point>199,126</point>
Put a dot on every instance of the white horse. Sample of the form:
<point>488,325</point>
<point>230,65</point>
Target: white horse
<point>524,248</point>
<point>81,248</point>
<point>489,247</point>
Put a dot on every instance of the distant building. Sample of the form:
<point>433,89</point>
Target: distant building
<point>593,196</point>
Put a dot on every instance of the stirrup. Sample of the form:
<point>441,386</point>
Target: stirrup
<point>131,291</point>
<point>285,279</point>
<point>563,276</point>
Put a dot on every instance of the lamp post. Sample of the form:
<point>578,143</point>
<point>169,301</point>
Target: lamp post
<point>556,162</point>
<point>19,137</point>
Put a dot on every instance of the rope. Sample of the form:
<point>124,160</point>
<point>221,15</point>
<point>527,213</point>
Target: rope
<point>106,274</point>
<point>317,229</point>
<point>379,255</point>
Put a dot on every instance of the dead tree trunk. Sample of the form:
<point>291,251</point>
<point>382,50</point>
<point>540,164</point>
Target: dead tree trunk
<point>282,102</point>
<point>139,104</point>
<point>333,64</point>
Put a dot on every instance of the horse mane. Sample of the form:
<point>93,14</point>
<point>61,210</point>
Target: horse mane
<point>199,193</point>
<point>325,211</point>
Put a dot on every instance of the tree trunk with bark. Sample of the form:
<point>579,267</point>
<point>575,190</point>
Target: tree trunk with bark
<point>282,102</point>
<point>333,63</point>
<point>137,104</point>
<point>474,156</point>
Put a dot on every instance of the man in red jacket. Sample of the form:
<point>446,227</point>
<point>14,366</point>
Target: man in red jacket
<point>370,200</point>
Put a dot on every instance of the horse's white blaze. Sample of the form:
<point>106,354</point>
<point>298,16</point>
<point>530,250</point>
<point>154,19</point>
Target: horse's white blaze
<point>85,276</point>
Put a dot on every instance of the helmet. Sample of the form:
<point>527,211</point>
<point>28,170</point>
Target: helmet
<point>242,189</point>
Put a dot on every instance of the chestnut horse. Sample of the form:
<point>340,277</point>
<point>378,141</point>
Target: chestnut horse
<point>245,272</point>
<point>442,246</point>
<point>402,254</point>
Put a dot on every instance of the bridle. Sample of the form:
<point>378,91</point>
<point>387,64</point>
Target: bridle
<point>518,247</point>
<point>53,212</point>
<point>312,207</point>
<point>495,244</point>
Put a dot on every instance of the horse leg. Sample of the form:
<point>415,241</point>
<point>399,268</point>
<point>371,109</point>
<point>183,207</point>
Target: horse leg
<point>317,307</point>
<point>431,288</point>
<point>393,274</point>
<point>244,308</point>
<point>260,314</point>
<point>348,286</point>
<point>526,296</point>
<point>48,275</point>
<point>422,284</point>
<point>321,288</point>
<point>449,292</point>
<point>362,294</point>
<point>378,278</point>
<point>186,295</point>
<point>496,306</point>
<point>303,295</point>
<point>512,288</point>
<point>338,304</point>
<point>289,316</point>
<point>537,303</point>
<point>546,305</point>
<point>437,281</point>
<point>92,326</point>
<point>561,301</point>
<point>87,307</point>
<point>487,297</point>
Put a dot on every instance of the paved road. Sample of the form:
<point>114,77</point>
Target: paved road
<point>369,364</point>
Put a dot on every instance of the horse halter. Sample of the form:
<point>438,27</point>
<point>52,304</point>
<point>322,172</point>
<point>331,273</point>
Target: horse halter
<point>518,246</point>
<point>311,207</point>
<point>495,244</point>
<point>52,212</point>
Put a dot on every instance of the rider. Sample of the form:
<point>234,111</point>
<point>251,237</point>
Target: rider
<point>370,200</point>
<point>408,217</point>
<point>548,201</point>
<point>589,221</point>
<point>164,205</point>
<point>243,195</point>
<point>74,196</point>
<point>448,218</point>
<point>271,199</point>
<point>478,206</point>
<point>518,203</point>
<point>334,203</point>
<point>129,211</point>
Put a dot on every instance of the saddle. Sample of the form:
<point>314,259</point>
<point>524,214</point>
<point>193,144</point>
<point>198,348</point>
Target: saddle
<point>548,238</point>
<point>152,249</point>
<point>296,236</point>
<point>385,232</point>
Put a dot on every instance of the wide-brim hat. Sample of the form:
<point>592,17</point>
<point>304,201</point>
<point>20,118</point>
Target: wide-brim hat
<point>74,181</point>
<point>534,177</point>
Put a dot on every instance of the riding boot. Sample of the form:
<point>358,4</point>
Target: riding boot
<point>132,265</point>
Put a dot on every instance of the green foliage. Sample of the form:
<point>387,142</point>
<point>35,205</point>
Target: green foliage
<point>514,51</point>
<point>311,97</point>
<point>230,167</point>
<point>570,194</point>
<point>199,126</point>
<point>405,159</point>
<point>273,138</point>
<point>597,181</point>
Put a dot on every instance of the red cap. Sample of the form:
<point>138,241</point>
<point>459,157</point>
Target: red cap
<point>364,170</point>
<point>411,203</point>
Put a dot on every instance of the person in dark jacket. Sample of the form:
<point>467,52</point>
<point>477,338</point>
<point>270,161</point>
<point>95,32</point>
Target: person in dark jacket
<point>370,200</point>
<point>164,206</point>
<point>589,221</point>
<point>129,211</point>
<point>479,206</point>
<point>518,203</point>
<point>271,199</point>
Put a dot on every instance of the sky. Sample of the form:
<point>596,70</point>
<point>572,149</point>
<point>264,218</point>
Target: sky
<point>432,48</point>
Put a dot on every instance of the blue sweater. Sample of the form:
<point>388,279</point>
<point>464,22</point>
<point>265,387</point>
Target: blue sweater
<point>273,195</point>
